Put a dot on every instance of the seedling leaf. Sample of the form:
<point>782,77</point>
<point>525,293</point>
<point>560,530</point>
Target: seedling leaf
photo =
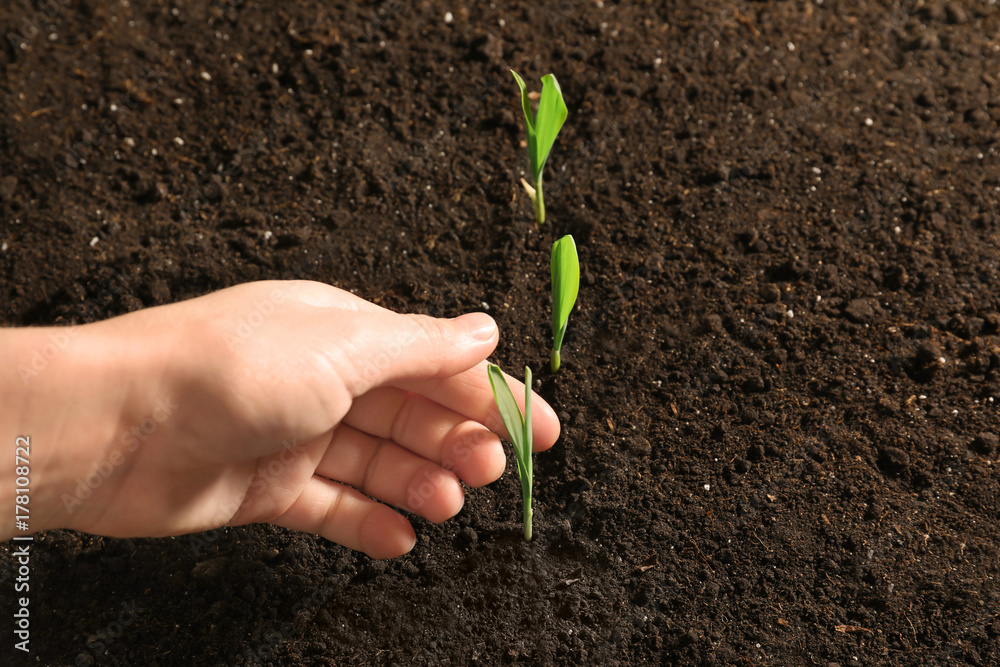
<point>528,117</point>
<point>552,114</point>
<point>519,429</point>
<point>542,130</point>
<point>510,413</point>
<point>527,434</point>
<point>565,288</point>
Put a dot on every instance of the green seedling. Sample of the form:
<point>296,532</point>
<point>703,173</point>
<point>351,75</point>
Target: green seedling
<point>519,429</point>
<point>542,131</point>
<point>565,287</point>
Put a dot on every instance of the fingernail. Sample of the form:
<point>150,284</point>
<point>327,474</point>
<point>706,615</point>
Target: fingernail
<point>481,326</point>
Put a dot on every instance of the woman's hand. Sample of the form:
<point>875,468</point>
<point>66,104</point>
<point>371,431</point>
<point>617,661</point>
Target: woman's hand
<point>294,403</point>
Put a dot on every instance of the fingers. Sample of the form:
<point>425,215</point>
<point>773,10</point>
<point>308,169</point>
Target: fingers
<point>378,348</point>
<point>345,516</point>
<point>392,474</point>
<point>468,393</point>
<point>431,431</point>
<point>369,346</point>
<point>321,295</point>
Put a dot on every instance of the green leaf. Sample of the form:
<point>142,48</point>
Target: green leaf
<point>529,120</point>
<point>525,102</point>
<point>527,436</point>
<point>565,286</point>
<point>510,413</point>
<point>542,130</point>
<point>552,114</point>
<point>519,431</point>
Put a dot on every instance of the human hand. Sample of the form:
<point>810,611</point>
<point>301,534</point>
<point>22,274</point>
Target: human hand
<point>294,403</point>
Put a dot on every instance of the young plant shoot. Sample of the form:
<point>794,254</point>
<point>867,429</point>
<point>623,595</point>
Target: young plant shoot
<point>519,429</point>
<point>565,287</point>
<point>542,131</point>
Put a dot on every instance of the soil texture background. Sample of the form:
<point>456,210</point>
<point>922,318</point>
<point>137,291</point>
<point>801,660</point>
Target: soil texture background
<point>779,387</point>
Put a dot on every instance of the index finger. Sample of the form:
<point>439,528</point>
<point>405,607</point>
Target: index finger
<point>468,393</point>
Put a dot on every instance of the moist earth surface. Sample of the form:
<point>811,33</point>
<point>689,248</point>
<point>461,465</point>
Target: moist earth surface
<point>779,384</point>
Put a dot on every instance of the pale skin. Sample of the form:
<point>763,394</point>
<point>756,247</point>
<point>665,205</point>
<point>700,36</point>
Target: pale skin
<point>294,403</point>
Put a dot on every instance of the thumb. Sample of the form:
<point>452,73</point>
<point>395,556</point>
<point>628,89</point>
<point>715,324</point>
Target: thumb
<point>396,347</point>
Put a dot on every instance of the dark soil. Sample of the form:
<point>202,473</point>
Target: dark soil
<point>780,383</point>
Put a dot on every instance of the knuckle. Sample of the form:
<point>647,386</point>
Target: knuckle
<point>435,336</point>
<point>429,328</point>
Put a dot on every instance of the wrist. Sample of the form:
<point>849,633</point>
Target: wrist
<point>64,389</point>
